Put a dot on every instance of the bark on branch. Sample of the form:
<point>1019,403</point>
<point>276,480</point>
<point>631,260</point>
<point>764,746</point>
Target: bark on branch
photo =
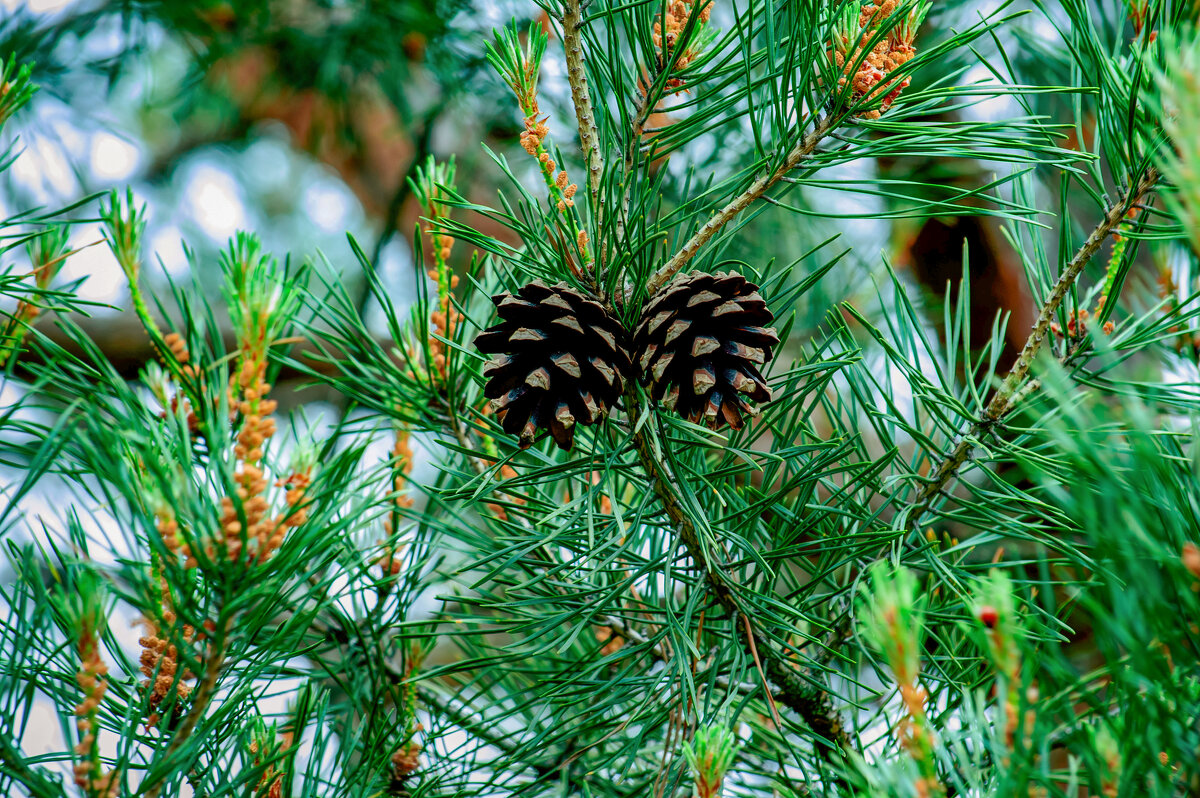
<point>813,705</point>
<point>1010,390</point>
<point>759,187</point>
<point>585,115</point>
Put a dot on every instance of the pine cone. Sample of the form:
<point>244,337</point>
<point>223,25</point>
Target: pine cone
<point>700,343</point>
<point>561,360</point>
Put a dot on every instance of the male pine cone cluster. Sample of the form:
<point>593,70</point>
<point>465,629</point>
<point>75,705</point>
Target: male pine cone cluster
<point>561,359</point>
<point>870,73</point>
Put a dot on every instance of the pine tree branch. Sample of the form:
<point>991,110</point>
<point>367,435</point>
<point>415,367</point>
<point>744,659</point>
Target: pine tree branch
<point>617,626</point>
<point>637,129</point>
<point>1009,393</point>
<point>614,624</point>
<point>464,440</point>
<point>468,718</point>
<point>585,114</point>
<point>461,714</point>
<point>812,704</point>
<point>738,204</point>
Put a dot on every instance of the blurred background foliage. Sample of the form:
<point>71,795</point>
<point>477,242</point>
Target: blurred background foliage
<point>304,120</point>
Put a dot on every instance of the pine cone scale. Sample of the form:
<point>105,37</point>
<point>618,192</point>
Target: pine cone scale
<point>606,371</point>
<point>570,323</point>
<point>661,366</point>
<point>656,322</point>
<point>567,364</point>
<point>749,354</point>
<point>703,345</point>
<point>762,337</point>
<point>675,330</point>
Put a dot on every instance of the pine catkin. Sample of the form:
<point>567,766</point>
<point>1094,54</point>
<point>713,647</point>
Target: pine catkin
<point>666,34</point>
<point>869,73</point>
<point>250,387</point>
<point>401,468</point>
<point>92,680</point>
<point>159,661</point>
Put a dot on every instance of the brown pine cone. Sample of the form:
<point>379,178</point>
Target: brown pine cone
<point>560,360</point>
<point>700,343</point>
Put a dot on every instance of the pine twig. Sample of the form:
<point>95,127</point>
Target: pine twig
<point>814,705</point>
<point>1009,392</point>
<point>481,466</point>
<point>467,718</point>
<point>464,440</point>
<point>738,204</point>
<point>762,674</point>
<point>585,114</point>
<point>637,130</point>
<point>460,714</point>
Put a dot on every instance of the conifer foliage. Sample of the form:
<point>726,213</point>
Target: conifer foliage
<point>668,483</point>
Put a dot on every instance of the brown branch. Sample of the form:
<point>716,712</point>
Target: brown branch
<point>585,114</point>
<point>462,434</point>
<point>762,674</point>
<point>464,440</point>
<point>638,129</point>
<point>738,204</point>
<point>643,111</point>
<point>813,705</point>
<point>127,348</point>
<point>1009,392</point>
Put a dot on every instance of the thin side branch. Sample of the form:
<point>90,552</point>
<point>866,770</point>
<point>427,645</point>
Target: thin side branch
<point>762,674</point>
<point>613,623</point>
<point>467,718</point>
<point>640,116</point>
<point>1010,391</point>
<point>585,115</point>
<point>738,204</point>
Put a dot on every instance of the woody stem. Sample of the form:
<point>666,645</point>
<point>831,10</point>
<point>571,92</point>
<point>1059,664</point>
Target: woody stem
<point>757,189</point>
<point>813,705</point>
<point>1010,390</point>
